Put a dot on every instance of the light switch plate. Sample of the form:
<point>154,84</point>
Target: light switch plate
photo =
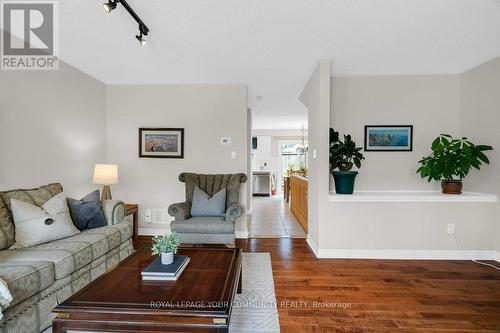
<point>233,155</point>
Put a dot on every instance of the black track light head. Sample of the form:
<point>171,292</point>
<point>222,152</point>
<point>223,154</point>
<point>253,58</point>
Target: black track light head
<point>141,39</point>
<point>109,6</point>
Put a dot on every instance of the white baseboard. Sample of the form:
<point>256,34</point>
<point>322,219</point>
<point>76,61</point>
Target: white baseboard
<point>407,254</point>
<point>241,234</point>
<point>497,256</point>
<point>313,245</point>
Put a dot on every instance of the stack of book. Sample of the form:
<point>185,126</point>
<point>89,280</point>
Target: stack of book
<point>156,271</point>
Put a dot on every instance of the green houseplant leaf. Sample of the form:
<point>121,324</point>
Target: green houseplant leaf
<point>166,243</point>
<point>452,158</point>
<point>344,155</point>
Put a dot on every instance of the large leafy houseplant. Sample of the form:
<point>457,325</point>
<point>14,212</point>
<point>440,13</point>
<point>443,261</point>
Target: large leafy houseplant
<point>451,161</point>
<point>166,246</point>
<point>344,155</point>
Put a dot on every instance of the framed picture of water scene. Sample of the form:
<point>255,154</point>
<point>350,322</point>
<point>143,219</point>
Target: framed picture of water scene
<point>161,142</point>
<point>389,138</point>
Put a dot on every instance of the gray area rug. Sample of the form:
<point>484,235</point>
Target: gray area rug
<point>254,311</point>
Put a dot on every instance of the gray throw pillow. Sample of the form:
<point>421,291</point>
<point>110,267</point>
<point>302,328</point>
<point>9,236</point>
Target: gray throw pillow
<point>203,205</point>
<point>86,213</point>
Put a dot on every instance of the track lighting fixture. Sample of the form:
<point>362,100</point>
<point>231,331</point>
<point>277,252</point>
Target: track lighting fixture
<point>141,38</point>
<point>109,6</point>
<point>143,29</point>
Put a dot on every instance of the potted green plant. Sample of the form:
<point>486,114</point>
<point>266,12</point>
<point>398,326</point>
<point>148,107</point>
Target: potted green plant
<point>451,160</point>
<point>344,155</point>
<point>166,246</point>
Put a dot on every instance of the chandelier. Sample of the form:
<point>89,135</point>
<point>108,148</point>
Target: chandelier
<point>302,148</point>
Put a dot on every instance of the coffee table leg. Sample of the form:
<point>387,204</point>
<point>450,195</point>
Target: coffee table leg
<point>240,287</point>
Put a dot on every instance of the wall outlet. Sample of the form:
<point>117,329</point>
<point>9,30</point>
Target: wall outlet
<point>233,155</point>
<point>451,228</point>
<point>148,216</point>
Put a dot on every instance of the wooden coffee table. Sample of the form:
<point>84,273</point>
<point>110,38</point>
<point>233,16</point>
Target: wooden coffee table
<point>119,301</point>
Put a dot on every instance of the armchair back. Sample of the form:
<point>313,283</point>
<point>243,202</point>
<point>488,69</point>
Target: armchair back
<point>211,184</point>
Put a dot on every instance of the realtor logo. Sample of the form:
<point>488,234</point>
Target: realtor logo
<point>30,35</point>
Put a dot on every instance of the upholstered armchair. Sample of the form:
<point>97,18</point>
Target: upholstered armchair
<point>208,230</point>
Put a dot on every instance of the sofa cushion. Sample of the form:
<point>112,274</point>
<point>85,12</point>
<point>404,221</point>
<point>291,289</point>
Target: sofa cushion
<point>25,278</point>
<point>37,196</point>
<point>86,212</point>
<point>36,225</point>
<point>203,225</point>
<point>33,314</point>
<point>72,253</point>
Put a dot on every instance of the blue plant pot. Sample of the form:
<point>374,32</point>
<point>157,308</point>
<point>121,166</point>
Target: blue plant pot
<point>344,181</point>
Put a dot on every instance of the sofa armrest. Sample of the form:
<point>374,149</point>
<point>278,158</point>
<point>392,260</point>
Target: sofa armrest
<point>180,211</point>
<point>234,211</point>
<point>114,211</point>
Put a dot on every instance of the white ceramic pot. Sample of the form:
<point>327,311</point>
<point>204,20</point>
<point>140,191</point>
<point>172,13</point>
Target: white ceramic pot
<point>167,258</point>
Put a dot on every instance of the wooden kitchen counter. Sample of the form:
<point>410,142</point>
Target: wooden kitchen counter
<point>298,200</point>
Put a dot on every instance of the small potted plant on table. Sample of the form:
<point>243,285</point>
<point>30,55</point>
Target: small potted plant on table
<point>343,156</point>
<point>166,246</point>
<point>451,160</point>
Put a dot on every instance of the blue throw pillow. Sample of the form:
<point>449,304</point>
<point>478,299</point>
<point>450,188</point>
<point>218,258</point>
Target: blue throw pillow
<point>86,213</point>
<point>203,205</point>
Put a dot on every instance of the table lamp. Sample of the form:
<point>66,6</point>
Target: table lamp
<point>106,174</point>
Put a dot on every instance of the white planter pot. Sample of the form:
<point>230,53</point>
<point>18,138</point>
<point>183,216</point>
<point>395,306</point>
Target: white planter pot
<point>167,258</point>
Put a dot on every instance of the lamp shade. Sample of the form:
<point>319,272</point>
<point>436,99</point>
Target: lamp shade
<point>106,174</point>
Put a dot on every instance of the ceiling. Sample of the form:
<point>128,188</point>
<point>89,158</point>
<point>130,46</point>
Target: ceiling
<point>272,45</point>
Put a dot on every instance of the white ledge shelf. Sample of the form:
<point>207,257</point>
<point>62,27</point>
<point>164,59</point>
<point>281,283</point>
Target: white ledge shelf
<point>411,196</point>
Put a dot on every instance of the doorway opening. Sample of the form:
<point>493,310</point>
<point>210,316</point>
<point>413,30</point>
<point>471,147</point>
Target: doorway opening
<point>279,183</point>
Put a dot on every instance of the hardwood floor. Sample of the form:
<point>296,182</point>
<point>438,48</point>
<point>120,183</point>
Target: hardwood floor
<point>384,295</point>
<point>379,295</point>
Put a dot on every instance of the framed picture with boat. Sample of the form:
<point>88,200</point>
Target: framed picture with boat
<point>389,138</point>
<point>161,142</point>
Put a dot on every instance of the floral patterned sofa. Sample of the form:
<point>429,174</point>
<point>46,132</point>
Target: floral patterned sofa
<point>42,276</point>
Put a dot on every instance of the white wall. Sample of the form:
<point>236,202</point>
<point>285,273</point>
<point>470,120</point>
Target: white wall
<point>262,157</point>
<point>206,112</point>
<point>316,97</point>
<point>428,102</point>
<point>480,121</point>
<point>280,133</point>
<point>52,128</point>
<point>401,226</point>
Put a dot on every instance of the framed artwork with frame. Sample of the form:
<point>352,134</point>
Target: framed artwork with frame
<point>161,142</point>
<point>388,138</point>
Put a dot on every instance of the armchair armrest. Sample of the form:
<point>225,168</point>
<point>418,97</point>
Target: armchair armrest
<point>180,211</point>
<point>114,211</point>
<point>234,211</point>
